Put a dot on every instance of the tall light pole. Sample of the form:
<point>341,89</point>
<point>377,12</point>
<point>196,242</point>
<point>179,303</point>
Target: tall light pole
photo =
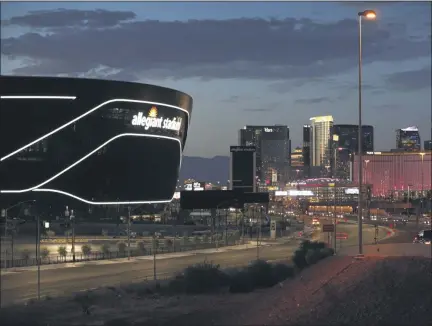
<point>422,181</point>
<point>367,14</point>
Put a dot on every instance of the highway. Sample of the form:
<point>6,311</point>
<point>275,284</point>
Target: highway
<point>21,286</point>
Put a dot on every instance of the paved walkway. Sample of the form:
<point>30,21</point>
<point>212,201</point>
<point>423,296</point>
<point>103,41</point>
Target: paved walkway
<point>248,245</point>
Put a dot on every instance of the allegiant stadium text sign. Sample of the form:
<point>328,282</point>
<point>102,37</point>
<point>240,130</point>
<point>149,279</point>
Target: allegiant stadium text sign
<point>153,121</point>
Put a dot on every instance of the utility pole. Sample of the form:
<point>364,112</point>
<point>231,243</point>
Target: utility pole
<point>38,255</point>
<point>72,216</point>
<point>128,232</point>
<point>334,217</point>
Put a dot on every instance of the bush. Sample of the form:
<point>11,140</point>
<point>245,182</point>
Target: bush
<point>261,273</point>
<point>241,282</point>
<point>25,254</point>
<point>313,256</point>
<point>168,243</point>
<point>282,272</point>
<point>299,259</point>
<point>155,243</point>
<point>306,245</point>
<point>50,233</point>
<point>141,247</point>
<point>44,253</point>
<point>121,247</point>
<point>185,240</point>
<point>62,251</point>
<point>195,240</point>
<point>205,238</point>
<point>204,278</point>
<point>86,250</point>
<point>326,252</point>
<point>105,249</point>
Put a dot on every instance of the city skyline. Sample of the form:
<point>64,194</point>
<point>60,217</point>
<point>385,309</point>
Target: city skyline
<point>234,79</point>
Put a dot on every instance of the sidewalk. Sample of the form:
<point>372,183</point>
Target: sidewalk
<point>248,245</point>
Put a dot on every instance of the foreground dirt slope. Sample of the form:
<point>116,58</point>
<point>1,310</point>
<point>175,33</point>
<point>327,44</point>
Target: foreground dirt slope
<point>339,291</point>
<point>336,291</point>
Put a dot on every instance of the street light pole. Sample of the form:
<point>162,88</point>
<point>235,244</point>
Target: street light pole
<point>368,14</point>
<point>128,232</point>
<point>72,217</point>
<point>38,255</point>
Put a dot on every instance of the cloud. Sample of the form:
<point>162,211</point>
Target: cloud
<point>258,110</point>
<point>411,80</point>
<point>231,99</point>
<point>315,100</point>
<point>272,49</point>
<point>70,18</point>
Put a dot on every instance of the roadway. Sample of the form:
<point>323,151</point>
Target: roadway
<point>59,280</point>
<point>20,286</point>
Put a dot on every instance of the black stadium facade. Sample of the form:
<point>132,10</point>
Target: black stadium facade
<point>94,142</point>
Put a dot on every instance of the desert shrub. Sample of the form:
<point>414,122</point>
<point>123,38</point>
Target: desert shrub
<point>261,273</point>
<point>50,233</point>
<point>44,253</point>
<point>86,249</point>
<point>282,272</point>
<point>312,256</point>
<point>25,254</point>
<point>299,259</point>
<point>105,249</point>
<point>241,282</point>
<point>168,243</point>
<point>306,245</point>
<point>204,278</point>
<point>121,248</point>
<point>62,251</point>
<point>185,240</point>
<point>326,252</point>
<point>141,247</point>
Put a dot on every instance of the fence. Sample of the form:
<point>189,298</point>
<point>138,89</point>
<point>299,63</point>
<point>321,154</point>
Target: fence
<point>135,252</point>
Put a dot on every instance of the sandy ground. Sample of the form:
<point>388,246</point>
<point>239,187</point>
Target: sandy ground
<point>338,290</point>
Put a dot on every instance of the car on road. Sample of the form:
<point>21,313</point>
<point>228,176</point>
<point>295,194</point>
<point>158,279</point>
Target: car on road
<point>424,237</point>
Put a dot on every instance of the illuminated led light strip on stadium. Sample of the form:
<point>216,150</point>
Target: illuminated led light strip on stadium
<point>105,202</point>
<point>36,97</point>
<point>90,154</point>
<point>85,114</point>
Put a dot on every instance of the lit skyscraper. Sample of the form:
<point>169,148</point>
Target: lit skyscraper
<point>408,139</point>
<point>273,151</point>
<point>321,140</point>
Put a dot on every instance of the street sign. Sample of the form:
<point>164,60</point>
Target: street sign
<point>328,228</point>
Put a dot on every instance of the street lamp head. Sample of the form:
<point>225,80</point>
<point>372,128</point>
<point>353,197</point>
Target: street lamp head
<point>368,14</point>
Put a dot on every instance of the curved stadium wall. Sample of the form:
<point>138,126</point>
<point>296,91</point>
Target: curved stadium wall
<point>98,142</point>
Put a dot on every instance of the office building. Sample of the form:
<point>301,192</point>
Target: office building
<point>307,142</point>
<point>408,139</point>
<point>428,145</point>
<point>321,142</point>
<point>346,146</point>
<point>273,152</point>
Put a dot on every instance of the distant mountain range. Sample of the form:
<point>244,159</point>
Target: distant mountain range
<point>205,169</point>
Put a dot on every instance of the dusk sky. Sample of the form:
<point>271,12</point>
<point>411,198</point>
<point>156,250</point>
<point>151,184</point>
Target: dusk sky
<point>243,63</point>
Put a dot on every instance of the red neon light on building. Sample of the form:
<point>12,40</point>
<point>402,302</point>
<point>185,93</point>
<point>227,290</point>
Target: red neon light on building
<point>388,172</point>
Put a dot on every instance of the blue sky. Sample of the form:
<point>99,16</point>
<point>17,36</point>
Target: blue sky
<point>243,63</point>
